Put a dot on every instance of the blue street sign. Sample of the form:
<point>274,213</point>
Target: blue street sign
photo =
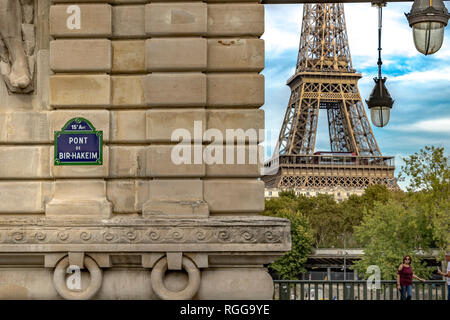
<point>78,143</point>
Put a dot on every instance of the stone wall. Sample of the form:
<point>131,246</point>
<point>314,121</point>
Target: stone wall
<point>138,70</point>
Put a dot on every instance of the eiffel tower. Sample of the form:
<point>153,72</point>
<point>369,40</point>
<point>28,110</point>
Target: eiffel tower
<point>324,79</point>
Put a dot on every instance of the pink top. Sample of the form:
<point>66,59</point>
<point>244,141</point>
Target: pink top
<point>405,276</point>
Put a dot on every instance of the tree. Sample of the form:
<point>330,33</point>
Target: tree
<point>387,224</point>
<point>291,265</point>
<point>325,217</point>
<point>408,223</point>
<point>388,232</point>
<point>429,187</point>
<point>329,219</point>
<point>355,206</point>
<point>428,171</point>
<point>285,201</point>
<point>288,194</point>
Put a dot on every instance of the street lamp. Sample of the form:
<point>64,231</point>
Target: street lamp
<point>428,19</point>
<point>380,102</point>
<point>342,236</point>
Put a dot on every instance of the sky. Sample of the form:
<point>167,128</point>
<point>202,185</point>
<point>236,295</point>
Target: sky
<point>420,85</point>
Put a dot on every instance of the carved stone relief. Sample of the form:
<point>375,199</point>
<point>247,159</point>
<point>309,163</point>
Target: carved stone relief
<point>143,235</point>
<point>17,45</point>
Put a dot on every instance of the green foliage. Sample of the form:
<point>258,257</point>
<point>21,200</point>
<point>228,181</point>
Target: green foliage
<point>386,224</point>
<point>275,205</point>
<point>323,213</point>
<point>288,194</point>
<point>408,223</point>
<point>429,188</point>
<point>389,231</point>
<point>325,216</point>
<point>355,206</point>
<point>290,266</point>
<point>328,219</point>
<point>428,171</point>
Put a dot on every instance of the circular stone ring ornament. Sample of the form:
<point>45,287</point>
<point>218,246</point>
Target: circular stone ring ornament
<point>157,281</point>
<point>59,280</point>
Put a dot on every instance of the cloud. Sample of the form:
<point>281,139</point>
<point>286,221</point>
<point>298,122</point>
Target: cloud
<point>283,25</point>
<point>441,74</point>
<point>420,85</point>
<point>440,125</point>
<point>282,28</point>
<point>278,41</point>
<point>362,29</point>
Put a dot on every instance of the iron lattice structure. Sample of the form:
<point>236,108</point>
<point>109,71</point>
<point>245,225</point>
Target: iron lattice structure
<point>324,79</point>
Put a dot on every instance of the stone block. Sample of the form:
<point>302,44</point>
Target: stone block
<point>24,196</point>
<point>127,162</point>
<point>93,55</point>
<point>128,56</point>
<point>232,1</point>
<point>176,54</point>
<point>174,18</point>
<point>175,89</point>
<point>175,161</point>
<point>98,118</point>
<point>235,90</point>
<point>133,284</point>
<point>127,91</point>
<point>129,21</point>
<point>81,171</point>
<point>76,259</point>
<point>128,126</point>
<point>89,196</point>
<point>24,127</point>
<point>128,1</point>
<point>80,90</point>
<point>244,124</point>
<point>83,1</point>
<point>122,195</point>
<point>3,124</point>
<point>175,199</point>
<point>95,21</point>
<point>176,190</point>
<point>127,196</point>
<point>235,54</point>
<point>42,80</point>
<point>161,124</point>
<point>234,160</point>
<point>175,209</point>
<point>174,260</point>
<point>227,19</point>
<point>36,283</point>
<point>234,195</point>
<point>20,162</point>
<point>236,283</point>
<point>85,189</point>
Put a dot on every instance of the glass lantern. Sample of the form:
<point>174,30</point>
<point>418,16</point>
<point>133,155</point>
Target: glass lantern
<point>380,115</point>
<point>428,19</point>
<point>380,103</point>
<point>428,36</point>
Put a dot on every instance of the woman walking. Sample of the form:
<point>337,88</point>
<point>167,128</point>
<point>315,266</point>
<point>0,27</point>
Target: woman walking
<point>405,275</point>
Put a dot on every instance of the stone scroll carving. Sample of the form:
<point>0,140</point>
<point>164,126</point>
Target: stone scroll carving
<point>17,44</point>
<point>142,235</point>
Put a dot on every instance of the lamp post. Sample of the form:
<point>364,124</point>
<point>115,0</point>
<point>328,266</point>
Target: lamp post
<point>380,102</point>
<point>342,236</point>
<point>428,19</point>
<point>345,259</point>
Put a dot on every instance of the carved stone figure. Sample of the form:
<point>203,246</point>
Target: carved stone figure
<point>17,42</point>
